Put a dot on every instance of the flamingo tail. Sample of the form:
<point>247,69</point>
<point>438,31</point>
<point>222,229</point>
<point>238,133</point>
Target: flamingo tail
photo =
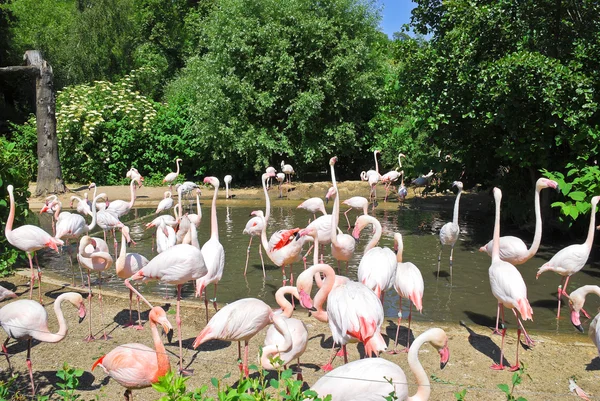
<point>525,309</point>
<point>98,362</point>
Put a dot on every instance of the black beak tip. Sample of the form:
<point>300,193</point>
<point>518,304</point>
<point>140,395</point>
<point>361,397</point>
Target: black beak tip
<point>170,335</point>
<point>312,309</point>
<point>443,364</point>
<point>579,328</point>
<point>81,319</point>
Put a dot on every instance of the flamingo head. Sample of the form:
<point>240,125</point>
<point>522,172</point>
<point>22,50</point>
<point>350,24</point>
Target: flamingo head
<point>330,193</point>
<point>361,223</point>
<point>576,302</point>
<point>333,160</point>
<point>214,181</point>
<point>258,213</point>
<point>125,231</point>
<point>545,183</point>
<point>304,283</point>
<point>77,300</point>
<point>158,315</point>
<point>458,184</point>
<point>440,342</point>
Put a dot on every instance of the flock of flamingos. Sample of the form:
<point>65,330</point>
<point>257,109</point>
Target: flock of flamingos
<point>353,309</point>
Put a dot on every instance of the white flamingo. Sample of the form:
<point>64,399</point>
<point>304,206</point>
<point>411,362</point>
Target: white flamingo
<point>316,204</point>
<point>121,207</point>
<point>254,225</point>
<point>227,180</point>
<point>280,179</point>
<point>169,178</point>
<point>342,245</point>
<point>450,231</point>
<point>288,170</point>
<point>356,202</point>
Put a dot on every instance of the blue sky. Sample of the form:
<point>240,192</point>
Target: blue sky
<point>395,13</point>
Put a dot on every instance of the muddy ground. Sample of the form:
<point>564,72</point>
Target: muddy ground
<point>551,362</point>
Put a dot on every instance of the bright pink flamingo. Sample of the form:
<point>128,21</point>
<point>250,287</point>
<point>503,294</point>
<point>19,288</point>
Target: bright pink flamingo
<point>571,259</point>
<point>289,344</point>
<point>409,284</point>
<point>135,365</point>
<point>316,204</point>
<point>353,311</point>
<point>121,207</point>
<point>254,226</point>
<point>239,321</point>
<point>28,238</point>
<point>365,378</point>
<point>48,209</point>
<point>509,289</point>
<point>283,248</point>
<point>28,320</point>
<point>177,265</point>
<point>342,245</point>
<point>377,267</point>
<point>169,178</point>
<point>127,265</point>
<point>356,202</point>
<point>212,251</point>
<point>450,231</point>
<point>94,256</point>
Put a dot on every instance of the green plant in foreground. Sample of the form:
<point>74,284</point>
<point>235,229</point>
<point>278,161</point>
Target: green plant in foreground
<point>69,381</point>
<point>517,379</point>
<point>460,395</point>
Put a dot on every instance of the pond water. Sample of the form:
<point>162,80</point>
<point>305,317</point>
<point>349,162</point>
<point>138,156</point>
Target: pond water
<point>469,298</point>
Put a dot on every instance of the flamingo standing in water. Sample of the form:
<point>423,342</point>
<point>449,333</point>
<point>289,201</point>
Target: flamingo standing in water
<point>356,202</point>
<point>254,226</point>
<point>93,255</point>
<point>392,176</point>
<point>353,310</point>
<point>127,265</point>
<point>227,181</point>
<point>509,289</point>
<point>28,320</point>
<point>212,252</point>
<point>240,321</point>
<point>409,284</point>
<point>449,232</point>
<point>571,259</point>
<point>280,178</point>
<point>377,267</point>
<point>169,178</point>
<point>28,238</point>
<point>342,245</point>
<point>373,177</point>
<point>121,207</point>
<point>177,265</point>
<point>135,365</point>
<point>316,204</point>
<point>369,379</point>
<point>166,203</point>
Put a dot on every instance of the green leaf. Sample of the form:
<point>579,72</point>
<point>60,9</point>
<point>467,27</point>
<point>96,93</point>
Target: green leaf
<point>215,382</point>
<point>504,388</point>
<point>274,383</point>
<point>286,374</point>
<point>577,195</point>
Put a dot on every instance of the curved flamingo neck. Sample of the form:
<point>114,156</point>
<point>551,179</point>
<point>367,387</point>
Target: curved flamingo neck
<point>378,231</point>
<point>94,211</point>
<point>120,265</point>
<point>214,224</point>
<point>590,289</point>
<point>590,237</point>
<point>132,191</point>
<point>162,357</point>
<point>286,307</point>
<point>376,163</point>
<point>496,240</point>
<point>537,237</point>
<point>424,389</point>
<point>335,213</point>
<point>58,209</point>
<point>267,199</point>
<point>62,323</point>
<point>198,208</point>
<point>324,291</point>
<point>177,162</point>
<point>179,196</point>
<point>194,236</point>
<point>456,204</point>
<point>399,247</point>
<point>273,349</point>
<point>263,238</point>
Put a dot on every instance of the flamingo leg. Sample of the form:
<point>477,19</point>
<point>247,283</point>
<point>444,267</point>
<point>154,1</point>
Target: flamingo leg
<point>248,255</point>
<point>215,299</point>
<point>408,334</point>
<point>394,351</point>
<point>451,261</point>
<point>299,374</point>
<point>496,331</point>
<point>32,281</point>
<point>240,363</point>
<point>500,366</point>
<point>246,348</point>
<point>516,366</point>
<point>206,304</point>
<point>90,336</point>
<point>562,290</point>
<point>178,320</point>
<point>29,366</point>
<point>130,324</point>
<point>327,367</point>
<point>262,261</point>
<point>439,261</point>
<point>139,326</point>
<point>40,285</point>
<point>104,335</point>
<point>5,351</point>
<point>347,219</point>
<point>528,339</point>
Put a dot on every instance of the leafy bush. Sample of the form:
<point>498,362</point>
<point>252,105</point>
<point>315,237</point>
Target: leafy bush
<point>24,137</point>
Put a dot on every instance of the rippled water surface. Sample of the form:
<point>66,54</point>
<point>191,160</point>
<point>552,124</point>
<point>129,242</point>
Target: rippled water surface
<point>469,298</point>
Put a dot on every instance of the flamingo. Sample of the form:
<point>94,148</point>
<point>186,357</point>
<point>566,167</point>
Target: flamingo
<point>353,311</point>
<point>373,177</point>
<point>28,320</point>
<point>576,302</point>
<point>212,252</point>
<point>177,265</point>
<point>165,236</point>
<point>254,225</point>
<point>240,321</point>
<point>280,178</point>
<point>28,238</point>
<point>83,205</point>
<point>134,175</point>
<point>121,207</point>
<point>272,173</point>
<point>283,248</point>
<point>513,249</point>
<point>227,180</point>
<point>449,232</point>
<point>571,259</point>
<point>402,191</point>
<point>290,344</point>
<point>6,293</point>
<point>342,245</point>
<point>126,266</point>
<point>50,208</point>
<point>166,203</point>
<point>356,202</point>
<point>422,181</point>
<point>135,365</point>
<point>100,206</point>
<point>377,267</point>
<point>509,289</point>
<point>409,284</point>
<point>288,170</point>
<point>316,204</point>
<point>169,178</point>
<point>392,176</point>
<point>367,379</point>
<point>109,221</point>
<point>93,255</point>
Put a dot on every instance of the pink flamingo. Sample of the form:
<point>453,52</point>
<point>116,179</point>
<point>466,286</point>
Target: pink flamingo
<point>353,311</point>
<point>402,190</point>
<point>316,204</point>
<point>6,293</point>
<point>392,176</point>
<point>240,321</point>
<point>408,284</point>
<point>356,202</point>
<point>509,289</point>
<point>272,173</point>
<point>169,178</point>
<point>28,238</point>
<point>109,221</point>
<point>377,267</point>
<point>289,344</point>
<point>513,249</point>
<point>212,252</point>
<point>449,232</point>
<point>288,170</point>
<point>134,174</point>
<point>127,265</point>
<point>135,365</point>
<point>576,302</point>
<point>83,205</point>
<point>254,226</point>
<point>99,206</point>
<point>121,207</point>
<point>177,265</point>
<point>342,245</point>
<point>365,378</point>
<point>93,255</point>
<point>283,248</point>
<point>571,259</point>
<point>28,320</point>
<point>373,177</point>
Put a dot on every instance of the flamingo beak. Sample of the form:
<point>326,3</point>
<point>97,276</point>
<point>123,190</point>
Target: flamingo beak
<point>575,320</point>
<point>82,312</point>
<point>444,356</point>
<point>170,335</point>
<point>305,299</point>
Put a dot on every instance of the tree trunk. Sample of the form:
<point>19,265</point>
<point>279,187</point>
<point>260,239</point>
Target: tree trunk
<point>49,177</point>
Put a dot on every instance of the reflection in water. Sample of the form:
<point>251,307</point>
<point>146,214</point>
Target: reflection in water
<point>470,294</point>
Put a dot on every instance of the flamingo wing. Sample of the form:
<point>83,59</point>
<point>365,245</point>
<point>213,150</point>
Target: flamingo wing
<point>131,365</point>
